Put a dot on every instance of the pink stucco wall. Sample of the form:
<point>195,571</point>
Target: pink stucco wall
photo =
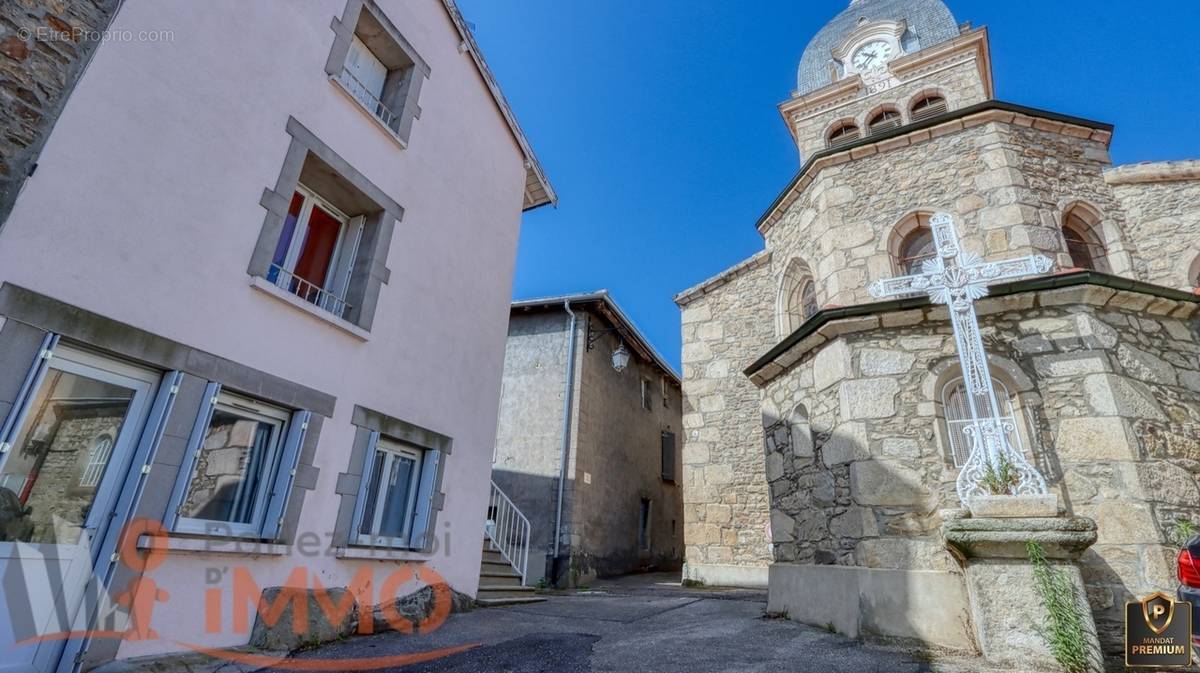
<point>145,208</point>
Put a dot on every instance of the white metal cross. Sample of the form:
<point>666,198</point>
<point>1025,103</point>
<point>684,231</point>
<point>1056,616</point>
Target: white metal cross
<point>957,278</point>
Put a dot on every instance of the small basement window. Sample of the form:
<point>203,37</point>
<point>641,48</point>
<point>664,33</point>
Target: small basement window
<point>377,66</point>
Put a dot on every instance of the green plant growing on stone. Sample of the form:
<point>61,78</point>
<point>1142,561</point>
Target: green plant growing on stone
<point>1063,628</point>
<point>1182,531</point>
<point>999,479</point>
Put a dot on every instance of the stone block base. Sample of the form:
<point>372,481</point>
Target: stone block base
<point>713,575</point>
<point>929,607</point>
<point>1009,617</point>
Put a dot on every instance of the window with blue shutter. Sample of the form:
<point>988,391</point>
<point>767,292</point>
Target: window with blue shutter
<point>396,494</point>
<point>238,469</point>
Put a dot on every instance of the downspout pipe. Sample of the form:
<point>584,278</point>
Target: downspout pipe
<point>568,399</point>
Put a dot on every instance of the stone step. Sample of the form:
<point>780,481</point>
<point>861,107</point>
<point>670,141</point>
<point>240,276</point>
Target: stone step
<point>490,556</point>
<point>501,602</point>
<point>503,591</point>
<point>496,579</point>
<point>496,567</point>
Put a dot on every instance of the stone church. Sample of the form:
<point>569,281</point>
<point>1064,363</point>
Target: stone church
<point>822,427</point>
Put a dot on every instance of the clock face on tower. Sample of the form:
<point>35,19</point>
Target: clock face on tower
<point>872,55</point>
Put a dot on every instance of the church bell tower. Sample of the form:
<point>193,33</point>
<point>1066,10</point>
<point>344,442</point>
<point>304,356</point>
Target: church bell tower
<point>883,64</point>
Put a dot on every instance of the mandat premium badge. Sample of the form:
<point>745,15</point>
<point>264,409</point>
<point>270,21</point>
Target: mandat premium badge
<point>1158,632</point>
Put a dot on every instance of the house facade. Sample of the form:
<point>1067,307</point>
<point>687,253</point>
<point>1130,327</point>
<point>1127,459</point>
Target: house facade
<point>587,444</point>
<point>837,419</point>
<point>240,302</point>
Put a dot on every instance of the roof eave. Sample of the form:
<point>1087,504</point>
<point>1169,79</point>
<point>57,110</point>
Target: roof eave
<point>538,190</point>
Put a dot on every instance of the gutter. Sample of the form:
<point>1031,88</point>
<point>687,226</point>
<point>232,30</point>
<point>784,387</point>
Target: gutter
<point>568,395</point>
<point>1069,279</point>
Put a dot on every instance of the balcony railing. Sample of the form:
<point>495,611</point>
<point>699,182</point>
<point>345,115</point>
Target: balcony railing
<point>308,291</point>
<point>368,100</point>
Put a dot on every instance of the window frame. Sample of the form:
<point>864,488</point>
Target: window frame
<point>1010,409</point>
<point>843,134</point>
<point>884,120</point>
<point>647,402</point>
<point>391,448</point>
<point>1082,230</point>
<point>402,83</point>
<point>246,407</point>
<point>380,213</point>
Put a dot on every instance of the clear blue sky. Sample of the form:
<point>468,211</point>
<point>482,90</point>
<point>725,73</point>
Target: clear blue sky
<point>657,123</point>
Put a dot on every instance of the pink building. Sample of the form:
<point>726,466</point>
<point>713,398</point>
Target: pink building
<point>257,291</point>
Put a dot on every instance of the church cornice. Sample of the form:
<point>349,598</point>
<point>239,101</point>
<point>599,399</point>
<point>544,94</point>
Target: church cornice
<point>934,127</point>
<point>1079,287</point>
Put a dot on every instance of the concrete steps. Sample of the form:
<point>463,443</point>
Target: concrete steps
<point>499,584</point>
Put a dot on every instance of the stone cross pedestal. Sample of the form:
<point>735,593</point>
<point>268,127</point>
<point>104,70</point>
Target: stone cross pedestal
<point>1007,611</point>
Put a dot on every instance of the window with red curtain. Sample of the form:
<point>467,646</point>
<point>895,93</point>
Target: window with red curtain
<point>316,254</point>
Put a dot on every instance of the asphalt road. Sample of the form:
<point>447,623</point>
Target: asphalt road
<point>636,625</point>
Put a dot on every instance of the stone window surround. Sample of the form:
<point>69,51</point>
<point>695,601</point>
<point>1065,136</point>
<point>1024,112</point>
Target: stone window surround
<point>1194,274</point>
<point>795,274</point>
<point>904,108</point>
<point>403,86</point>
<point>1102,232</point>
<point>902,230</point>
<point>1007,372</point>
<point>349,482</point>
<point>370,272</point>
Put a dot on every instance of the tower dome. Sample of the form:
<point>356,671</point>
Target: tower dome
<point>929,22</point>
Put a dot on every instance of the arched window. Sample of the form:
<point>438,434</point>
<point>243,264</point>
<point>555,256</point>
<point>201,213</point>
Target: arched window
<point>1194,274</point>
<point>844,135</point>
<point>797,297</point>
<point>928,105</point>
<point>1081,233</point>
<point>912,243</point>
<point>96,462</point>
<point>957,416</point>
<point>884,120</point>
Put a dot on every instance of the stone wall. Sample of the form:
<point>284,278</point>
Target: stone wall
<point>1108,387</point>
<point>43,48</point>
<point>727,323</point>
<point>1160,203</point>
<point>957,80</point>
<point>529,427</point>
<point>619,463</point>
<point>1007,184</point>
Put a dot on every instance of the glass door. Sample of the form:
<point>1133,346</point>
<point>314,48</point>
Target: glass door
<point>59,484</point>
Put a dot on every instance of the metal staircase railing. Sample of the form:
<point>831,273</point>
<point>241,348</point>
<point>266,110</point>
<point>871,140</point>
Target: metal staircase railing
<point>507,531</point>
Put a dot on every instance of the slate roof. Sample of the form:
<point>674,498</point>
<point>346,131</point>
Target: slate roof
<point>929,22</point>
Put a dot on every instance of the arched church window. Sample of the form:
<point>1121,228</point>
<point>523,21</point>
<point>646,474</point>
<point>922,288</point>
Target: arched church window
<point>884,120</point>
<point>916,243</point>
<point>928,105</point>
<point>956,410</point>
<point>843,135</point>
<point>1194,274</point>
<point>1080,232</point>
<point>797,297</point>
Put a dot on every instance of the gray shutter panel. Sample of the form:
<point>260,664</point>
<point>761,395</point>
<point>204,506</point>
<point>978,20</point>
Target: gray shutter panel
<point>421,535</point>
<point>285,474</point>
<point>668,456</point>
<point>199,429</point>
<point>143,458</point>
<point>360,503</point>
<point>20,407</point>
